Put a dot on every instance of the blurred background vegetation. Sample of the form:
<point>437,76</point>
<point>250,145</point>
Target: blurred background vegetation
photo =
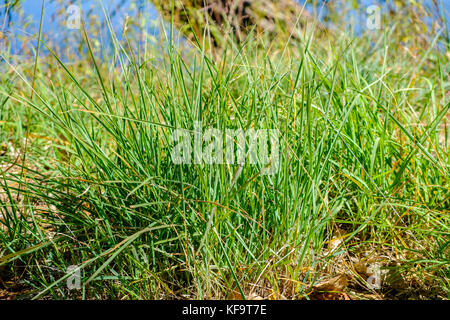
<point>417,21</point>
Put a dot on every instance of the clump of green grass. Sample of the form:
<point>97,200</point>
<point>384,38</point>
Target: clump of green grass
<point>363,160</point>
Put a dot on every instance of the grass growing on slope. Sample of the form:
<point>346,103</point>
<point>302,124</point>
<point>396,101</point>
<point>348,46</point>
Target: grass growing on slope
<point>362,179</point>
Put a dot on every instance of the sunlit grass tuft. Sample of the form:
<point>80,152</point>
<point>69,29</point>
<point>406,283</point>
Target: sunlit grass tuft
<point>363,174</point>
